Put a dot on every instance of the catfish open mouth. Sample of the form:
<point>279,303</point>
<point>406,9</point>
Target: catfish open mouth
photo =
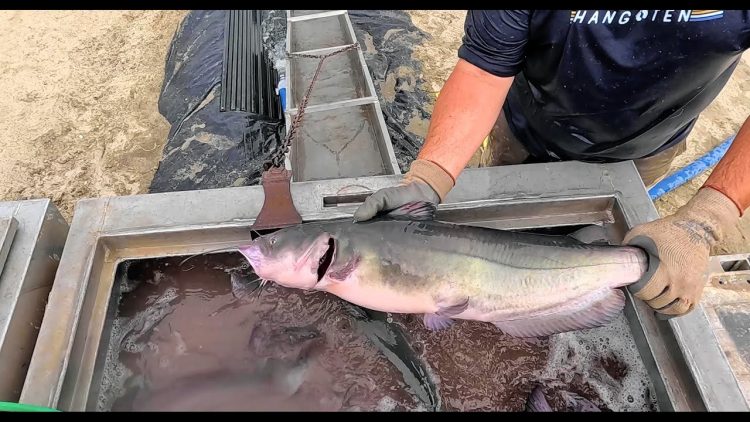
<point>325,261</point>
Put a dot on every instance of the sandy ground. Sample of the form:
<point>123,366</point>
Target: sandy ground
<point>79,116</point>
<point>721,120</point>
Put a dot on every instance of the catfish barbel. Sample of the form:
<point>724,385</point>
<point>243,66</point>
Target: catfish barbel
<point>528,285</point>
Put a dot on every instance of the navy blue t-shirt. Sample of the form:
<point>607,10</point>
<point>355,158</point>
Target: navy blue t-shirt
<point>606,85</point>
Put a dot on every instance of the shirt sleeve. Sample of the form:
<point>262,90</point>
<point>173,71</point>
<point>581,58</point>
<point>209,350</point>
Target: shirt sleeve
<point>495,40</point>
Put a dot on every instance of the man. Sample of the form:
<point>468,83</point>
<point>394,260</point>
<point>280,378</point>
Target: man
<point>595,86</point>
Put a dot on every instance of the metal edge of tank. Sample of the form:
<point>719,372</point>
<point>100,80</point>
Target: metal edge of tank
<point>292,16</point>
<point>32,250</point>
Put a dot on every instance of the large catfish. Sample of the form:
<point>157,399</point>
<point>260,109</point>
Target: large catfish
<point>528,285</point>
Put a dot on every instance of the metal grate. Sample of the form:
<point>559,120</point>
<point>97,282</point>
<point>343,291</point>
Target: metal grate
<point>248,79</point>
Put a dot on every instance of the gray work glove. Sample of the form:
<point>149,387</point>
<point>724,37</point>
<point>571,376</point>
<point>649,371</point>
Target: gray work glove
<point>680,245</point>
<point>425,181</point>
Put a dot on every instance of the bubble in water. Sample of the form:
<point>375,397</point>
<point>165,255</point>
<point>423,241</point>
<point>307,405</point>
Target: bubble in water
<point>126,284</point>
<point>131,346</point>
<point>169,295</point>
<point>181,347</point>
<point>127,335</point>
<point>585,361</point>
<point>158,278</point>
<point>386,404</point>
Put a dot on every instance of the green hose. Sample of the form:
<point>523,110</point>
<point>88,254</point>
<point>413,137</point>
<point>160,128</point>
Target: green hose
<point>20,407</point>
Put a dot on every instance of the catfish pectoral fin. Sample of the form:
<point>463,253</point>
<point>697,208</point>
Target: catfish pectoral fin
<point>451,308</point>
<point>447,309</point>
<point>435,322</point>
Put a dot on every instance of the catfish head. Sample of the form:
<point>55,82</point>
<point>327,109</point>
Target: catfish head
<point>296,257</point>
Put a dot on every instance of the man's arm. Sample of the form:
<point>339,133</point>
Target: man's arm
<point>731,176</point>
<point>492,53</point>
<point>464,114</point>
<point>680,244</point>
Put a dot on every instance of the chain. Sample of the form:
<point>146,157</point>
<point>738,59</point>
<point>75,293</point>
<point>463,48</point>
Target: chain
<point>277,158</point>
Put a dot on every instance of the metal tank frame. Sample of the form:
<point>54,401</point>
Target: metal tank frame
<point>306,25</point>
<point>687,367</point>
<point>32,236</point>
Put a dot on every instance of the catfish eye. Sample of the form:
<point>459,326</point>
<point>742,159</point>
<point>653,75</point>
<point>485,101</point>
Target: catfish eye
<point>272,240</point>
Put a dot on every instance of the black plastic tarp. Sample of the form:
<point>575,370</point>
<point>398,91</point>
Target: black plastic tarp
<point>387,39</point>
<point>207,148</point>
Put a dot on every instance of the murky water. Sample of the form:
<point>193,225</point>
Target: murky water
<point>201,337</point>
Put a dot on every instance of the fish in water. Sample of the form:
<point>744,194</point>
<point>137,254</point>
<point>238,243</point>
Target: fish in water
<point>284,360</point>
<point>526,284</point>
<point>286,343</point>
<point>275,387</point>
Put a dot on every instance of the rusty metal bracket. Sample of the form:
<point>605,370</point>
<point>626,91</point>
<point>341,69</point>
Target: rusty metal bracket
<point>278,208</point>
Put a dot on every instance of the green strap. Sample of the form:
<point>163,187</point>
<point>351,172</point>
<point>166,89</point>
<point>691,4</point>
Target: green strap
<point>20,407</point>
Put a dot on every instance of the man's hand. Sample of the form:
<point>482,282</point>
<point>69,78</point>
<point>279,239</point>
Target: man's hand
<point>679,246</point>
<point>468,106</point>
<point>425,181</point>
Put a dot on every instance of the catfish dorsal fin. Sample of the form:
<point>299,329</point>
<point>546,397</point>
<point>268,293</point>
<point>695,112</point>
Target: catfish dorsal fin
<point>415,211</point>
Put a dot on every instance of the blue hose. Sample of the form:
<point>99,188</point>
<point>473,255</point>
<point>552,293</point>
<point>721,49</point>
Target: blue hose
<point>687,173</point>
<point>281,91</point>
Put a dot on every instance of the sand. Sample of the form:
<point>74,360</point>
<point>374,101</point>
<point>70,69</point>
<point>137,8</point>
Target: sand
<point>80,119</point>
<point>79,116</point>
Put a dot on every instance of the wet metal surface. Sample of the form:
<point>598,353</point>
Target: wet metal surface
<point>340,79</point>
<point>32,237</point>
<point>726,301</point>
<point>8,227</point>
<point>337,143</point>
<point>318,33</point>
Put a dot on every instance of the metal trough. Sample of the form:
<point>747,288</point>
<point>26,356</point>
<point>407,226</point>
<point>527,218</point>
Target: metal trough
<point>687,367</point>
<point>343,133</point>
<point>32,235</point>
<point>308,14</point>
<point>316,31</point>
